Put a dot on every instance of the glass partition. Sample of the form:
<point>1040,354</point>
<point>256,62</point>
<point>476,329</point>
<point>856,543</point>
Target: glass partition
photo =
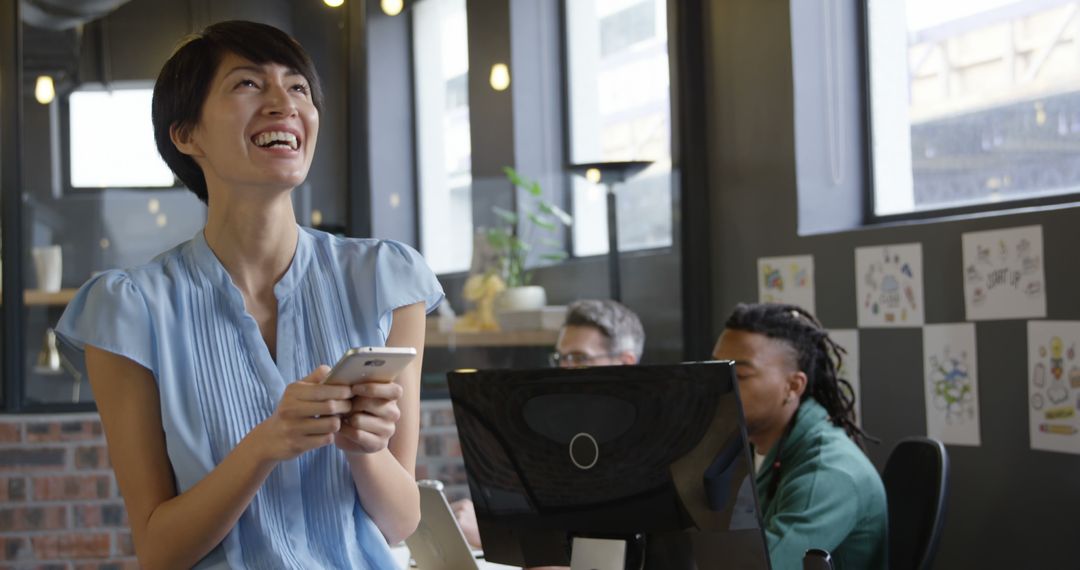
<point>91,180</point>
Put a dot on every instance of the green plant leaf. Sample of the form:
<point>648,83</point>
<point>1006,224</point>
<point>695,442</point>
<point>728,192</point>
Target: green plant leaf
<point>513,176</point>
<point>534,189</point>
<point>498,238</point>
<point>553,210</point>
<point>542,223</point>
<point>555,256</point>
<point>551,242</point>
<point>505,215</point>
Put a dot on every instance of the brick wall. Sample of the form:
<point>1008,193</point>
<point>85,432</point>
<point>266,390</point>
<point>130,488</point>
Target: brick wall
<point>60,508</point>
<point>59,505</point>
<point>439,454</point>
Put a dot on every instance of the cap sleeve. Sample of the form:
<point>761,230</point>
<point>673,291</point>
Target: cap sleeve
<point>402,277</point>
<point>109,312</point>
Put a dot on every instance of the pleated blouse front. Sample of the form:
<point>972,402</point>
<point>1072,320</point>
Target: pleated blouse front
<point>181,317</point>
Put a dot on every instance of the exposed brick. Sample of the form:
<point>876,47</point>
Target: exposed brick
<point>63,431</point>
<point>433,446</point>
<point>12,489</point>
<point>125,546</point>
<point>110,515</point>
<point>28,458</point>
<point>70,546</point>
<point>443,417</point>
<point>125,564</point>
<point>453,446</point>
<point>92,457</point>
<point>450,473</point>
<point>10,432</point>
<point>14,548</point>
<point>70,487</point>
<point>51,517</point>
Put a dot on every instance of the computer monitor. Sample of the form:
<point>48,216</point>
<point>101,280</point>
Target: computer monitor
<point>653,455</point>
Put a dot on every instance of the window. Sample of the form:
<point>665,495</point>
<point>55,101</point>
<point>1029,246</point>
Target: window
<point>973,102</point>
<point>619,108</point>
<point>444,151</point>
<point>111,140</point>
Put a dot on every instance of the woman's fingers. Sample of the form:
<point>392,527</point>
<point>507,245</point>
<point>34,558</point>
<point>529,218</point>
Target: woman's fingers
<point>305,409</point>
<point>321,426</point>
<point>378,390</point>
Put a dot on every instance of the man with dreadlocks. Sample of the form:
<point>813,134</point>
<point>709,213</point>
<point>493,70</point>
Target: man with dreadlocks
<point>816,487</point>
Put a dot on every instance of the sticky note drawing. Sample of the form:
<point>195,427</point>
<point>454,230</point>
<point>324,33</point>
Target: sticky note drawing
<point>1054,385</point>
<point>1003,274</point>
<point>952,392</point>
<point>889,285</point>
<point>787,280</point>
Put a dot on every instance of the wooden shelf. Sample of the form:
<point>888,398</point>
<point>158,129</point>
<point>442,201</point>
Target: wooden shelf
<point>38,298</point>
<point>485,339</point>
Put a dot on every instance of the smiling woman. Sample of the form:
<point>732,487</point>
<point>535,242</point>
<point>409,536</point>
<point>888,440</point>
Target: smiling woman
<point>207,363</point>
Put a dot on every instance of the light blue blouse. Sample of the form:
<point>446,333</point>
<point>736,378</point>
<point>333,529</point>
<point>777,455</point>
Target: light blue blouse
<point>181,317</point>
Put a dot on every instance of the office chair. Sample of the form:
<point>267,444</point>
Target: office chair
<point>916,485</point>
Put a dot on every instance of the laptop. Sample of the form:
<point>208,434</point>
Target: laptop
<point>438,543</point>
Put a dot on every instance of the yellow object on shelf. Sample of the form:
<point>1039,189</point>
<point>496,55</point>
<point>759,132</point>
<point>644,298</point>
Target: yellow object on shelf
<point>481,290</point>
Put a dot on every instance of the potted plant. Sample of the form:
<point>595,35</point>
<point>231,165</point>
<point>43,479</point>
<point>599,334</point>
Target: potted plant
<point>533,231</point>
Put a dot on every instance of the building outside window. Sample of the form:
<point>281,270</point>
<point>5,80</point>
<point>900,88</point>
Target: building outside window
<point>444,151</point>
<point>619,109</point>
<point>973,102</point>
<point>111,139</point>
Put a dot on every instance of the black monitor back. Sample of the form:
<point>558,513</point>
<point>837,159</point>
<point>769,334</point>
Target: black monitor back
<point>655,455</point>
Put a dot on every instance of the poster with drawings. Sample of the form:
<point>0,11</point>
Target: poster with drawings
<point>889,285</point>
<point>952,385</point>
<point>848,339</point>
<point>787,280</point>
<point>1054,385</point>
<point>1003,274</point>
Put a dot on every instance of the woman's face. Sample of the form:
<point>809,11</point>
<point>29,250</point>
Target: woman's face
<point>258,127</point>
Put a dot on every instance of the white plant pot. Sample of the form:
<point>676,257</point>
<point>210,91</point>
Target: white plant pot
<point>521,299</point>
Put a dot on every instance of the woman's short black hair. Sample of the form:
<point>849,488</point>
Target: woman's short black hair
<point>184,81</point>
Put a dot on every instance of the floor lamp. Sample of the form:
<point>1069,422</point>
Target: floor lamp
<point>609,174</point>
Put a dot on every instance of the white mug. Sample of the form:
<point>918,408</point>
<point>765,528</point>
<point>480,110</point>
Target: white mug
<point>49,265</point>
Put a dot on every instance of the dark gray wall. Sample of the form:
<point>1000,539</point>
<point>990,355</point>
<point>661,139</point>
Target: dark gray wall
<point>1009,507</point>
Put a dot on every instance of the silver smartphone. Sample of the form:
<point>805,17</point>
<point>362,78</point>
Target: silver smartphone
<point>370,364</point>
<point>438,543</point>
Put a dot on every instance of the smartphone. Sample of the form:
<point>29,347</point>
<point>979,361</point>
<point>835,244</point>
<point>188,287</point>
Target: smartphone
<point>370,364</point>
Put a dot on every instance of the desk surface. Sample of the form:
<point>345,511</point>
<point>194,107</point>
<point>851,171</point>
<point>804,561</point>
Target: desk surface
<point>401,557</point>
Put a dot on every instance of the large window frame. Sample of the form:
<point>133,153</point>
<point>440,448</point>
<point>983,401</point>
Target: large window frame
<point>872,168</point>
<point>567,129</point>
<point>66,158</point>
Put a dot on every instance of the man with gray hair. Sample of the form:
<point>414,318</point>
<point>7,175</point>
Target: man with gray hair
<point>596,332</point>
<point>599,333</point>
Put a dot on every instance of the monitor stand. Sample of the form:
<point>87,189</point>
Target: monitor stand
<point>597,554</point>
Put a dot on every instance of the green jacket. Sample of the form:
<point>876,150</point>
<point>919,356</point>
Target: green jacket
<point>830,496</point>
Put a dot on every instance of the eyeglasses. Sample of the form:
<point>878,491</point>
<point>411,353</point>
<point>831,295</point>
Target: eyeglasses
<point>576,359</point>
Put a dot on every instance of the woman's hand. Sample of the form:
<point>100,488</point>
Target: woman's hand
<point>465,513</point>
<point>373,418</point>
<point>307,417</point>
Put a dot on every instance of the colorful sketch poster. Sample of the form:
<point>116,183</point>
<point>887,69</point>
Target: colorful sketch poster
<point>889,285</point>
<point>848,339</point>
<point>1054,385</point>
<point>1003,274</point>
<point>787,280</point>
<point>952,385</point>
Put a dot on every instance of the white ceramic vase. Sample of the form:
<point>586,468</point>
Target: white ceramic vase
<point>521,299</point>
